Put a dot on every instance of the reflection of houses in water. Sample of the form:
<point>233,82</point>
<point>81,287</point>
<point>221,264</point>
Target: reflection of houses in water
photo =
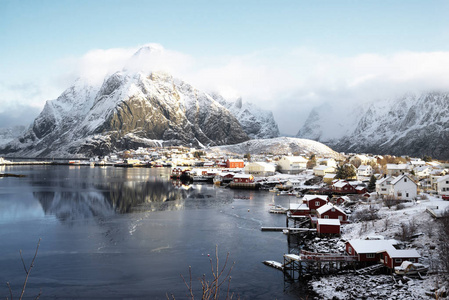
<point>243,195</point>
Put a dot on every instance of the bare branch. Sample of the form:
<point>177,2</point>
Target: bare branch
<point>29,269</point>
<point>10,290</point>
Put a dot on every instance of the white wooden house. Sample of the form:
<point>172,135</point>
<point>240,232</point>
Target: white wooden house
<point>260,168</point>
<point>443,185</point>
<point>397,169</point>
<point>400,187</point>
<point>292,164</point>
<point>364,171</point>
<point>322,170</point>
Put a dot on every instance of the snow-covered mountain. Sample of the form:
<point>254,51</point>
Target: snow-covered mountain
<point>10,133</point>
<point>280,145</point>
<point>257,123</point>
<point>413,125</point>
<point>133,108</point>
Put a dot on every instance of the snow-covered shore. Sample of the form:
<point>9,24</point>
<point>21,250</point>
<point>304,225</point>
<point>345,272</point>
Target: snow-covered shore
<point>390,225</point>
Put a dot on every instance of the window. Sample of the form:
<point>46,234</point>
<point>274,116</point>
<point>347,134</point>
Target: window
<point>405,179</point>
<point>340,218</point>
<point>370,255</point>
<point>398,260</point>
<point>333,209</point>
<point>326,217</point>
<point>399,194</point>
<point>406,194</point>
<point>317,203</point>
<point>350,250</point>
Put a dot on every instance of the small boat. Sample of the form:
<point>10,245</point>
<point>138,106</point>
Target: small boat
<point>410,268</point>
<point>277,209</point>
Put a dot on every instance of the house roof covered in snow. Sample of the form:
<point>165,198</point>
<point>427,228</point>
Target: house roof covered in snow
<point>312,197</point>
<point>399,178</point>
<point>397,166</point>
<point>321,210</point>
<point>372,246</point>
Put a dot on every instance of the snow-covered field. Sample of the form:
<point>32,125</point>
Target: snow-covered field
<point>425,241</point>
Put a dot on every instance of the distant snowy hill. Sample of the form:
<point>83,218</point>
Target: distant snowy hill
<point>413,125</point>
<point>257,123</point>
<point>280,145</point>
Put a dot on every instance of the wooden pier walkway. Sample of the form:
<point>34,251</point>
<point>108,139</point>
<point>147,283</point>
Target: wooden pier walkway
<point>290,229</point>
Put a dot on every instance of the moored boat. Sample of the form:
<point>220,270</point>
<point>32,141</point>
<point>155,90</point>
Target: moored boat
<point>410,268</point>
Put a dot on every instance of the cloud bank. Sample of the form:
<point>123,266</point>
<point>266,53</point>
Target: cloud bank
<point>290,82</point>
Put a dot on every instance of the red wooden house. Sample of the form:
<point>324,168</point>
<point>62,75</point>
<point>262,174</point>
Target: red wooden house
<point>340,200</point>
<point>361,190</point>
<point>176,172</point>
<point>313,202</point>
<point>380,251</point>
<point>235,163</point>
<point>343,187</point>
<point>330,211</point>
<point>328,227</point>
<point>393,257</point>
<point>243,178</point>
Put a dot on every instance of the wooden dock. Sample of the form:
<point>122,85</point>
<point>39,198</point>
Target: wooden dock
<point>291,229</point>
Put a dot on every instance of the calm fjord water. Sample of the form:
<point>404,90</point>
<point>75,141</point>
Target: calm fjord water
<point>124,233</point>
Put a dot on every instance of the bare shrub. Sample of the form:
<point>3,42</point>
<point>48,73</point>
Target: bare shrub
<point>390,201</point>
<point>387,223</point>
<point>211,288</point>
<point>444,241</point>
<point>400,206</point>
<point>367,214</point>
<point>27,272</point>
<point>407,230</point>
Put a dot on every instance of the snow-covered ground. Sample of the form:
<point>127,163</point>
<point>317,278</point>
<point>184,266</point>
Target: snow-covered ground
<point>425,241</point>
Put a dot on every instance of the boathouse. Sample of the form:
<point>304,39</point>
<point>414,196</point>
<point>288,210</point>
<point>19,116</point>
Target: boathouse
<point>393,258</point>
<point>328,227</point>
<point>243,178</point>
<point>380,251</point>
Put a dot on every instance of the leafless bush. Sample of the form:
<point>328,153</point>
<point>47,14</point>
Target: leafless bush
<point>387,223</point>
<point>27,272</point>
<point>210,289</point>
<point>400,206</point>
<point>444,241</point>
<point>390,201</point>
<point>407,230</point>
<point>424,197</point>
<point>367,214</point>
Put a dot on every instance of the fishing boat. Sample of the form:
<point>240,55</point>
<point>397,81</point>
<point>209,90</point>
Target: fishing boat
<point>410,268</point>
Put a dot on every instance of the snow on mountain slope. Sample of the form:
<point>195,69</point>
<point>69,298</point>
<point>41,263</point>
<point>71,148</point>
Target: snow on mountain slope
<point>9,134</point>
<point>280,145</point>
<point>257,123</point>
<point>414,125</point>
<point>128,110</point>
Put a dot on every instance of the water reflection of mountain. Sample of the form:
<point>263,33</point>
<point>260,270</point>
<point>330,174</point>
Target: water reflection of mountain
<point>81,196</point>
<point>74,205</point>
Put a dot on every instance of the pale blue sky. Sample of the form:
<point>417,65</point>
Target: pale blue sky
<point>35,36</point>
